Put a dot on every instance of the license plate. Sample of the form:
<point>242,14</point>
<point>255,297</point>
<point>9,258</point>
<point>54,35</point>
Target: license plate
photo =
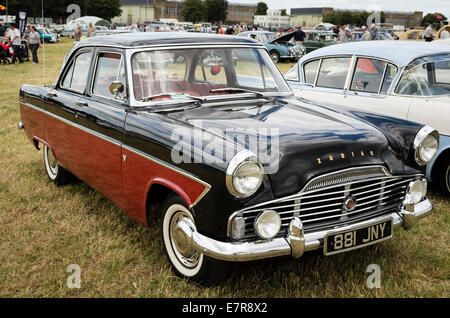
<point>343,241</point>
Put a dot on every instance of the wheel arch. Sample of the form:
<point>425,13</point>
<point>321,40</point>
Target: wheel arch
<point>442,157</point>
<point>158,190</point>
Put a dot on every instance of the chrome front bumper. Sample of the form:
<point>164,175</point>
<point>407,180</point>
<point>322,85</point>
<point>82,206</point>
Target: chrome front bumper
<point>296,242</point>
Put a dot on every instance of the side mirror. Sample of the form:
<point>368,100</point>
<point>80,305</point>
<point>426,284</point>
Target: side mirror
<point>116,88</point>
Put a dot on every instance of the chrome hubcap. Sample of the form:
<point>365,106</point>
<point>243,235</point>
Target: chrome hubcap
<point>181,243</point>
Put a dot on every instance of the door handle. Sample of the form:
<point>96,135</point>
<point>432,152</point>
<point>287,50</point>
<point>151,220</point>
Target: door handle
<point>82,104</point>
<point>51,94</point>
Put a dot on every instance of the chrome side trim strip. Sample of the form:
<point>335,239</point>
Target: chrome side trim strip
<point>71,123</point>
<point>136,151</point>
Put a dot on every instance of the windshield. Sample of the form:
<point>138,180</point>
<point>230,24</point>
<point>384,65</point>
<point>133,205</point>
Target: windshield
<point>426,79</point>
<point>204,72</point>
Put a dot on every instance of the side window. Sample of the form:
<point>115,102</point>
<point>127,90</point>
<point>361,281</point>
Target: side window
<point>110,68</point>
<point>368,75</point>
<point>250,73</point>
<point>391,72</point>
<point>77,75</point>
<point>292,74</point>
<point>310,71</point>
<point>333,72</point>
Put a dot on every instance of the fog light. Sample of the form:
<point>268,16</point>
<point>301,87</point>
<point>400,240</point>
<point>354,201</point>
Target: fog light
<point>416,191</point>
<point>238,228</point>
<point>268,224</point>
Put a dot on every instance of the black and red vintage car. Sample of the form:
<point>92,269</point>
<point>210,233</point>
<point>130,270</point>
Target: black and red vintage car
<point>205,129</point>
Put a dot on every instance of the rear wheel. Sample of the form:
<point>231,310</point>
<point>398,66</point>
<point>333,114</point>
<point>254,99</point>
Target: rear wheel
<point>185,260</point>
<point>275,56</point>
<point>56,173</point>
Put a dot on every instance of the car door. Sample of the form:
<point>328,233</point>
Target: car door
<point>323,80</point>
<point>101,115</point>
<point>369,87</point>
<point>61,103</point>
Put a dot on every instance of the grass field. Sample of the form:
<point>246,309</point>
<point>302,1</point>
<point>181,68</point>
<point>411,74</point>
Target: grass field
<point>43,229</point>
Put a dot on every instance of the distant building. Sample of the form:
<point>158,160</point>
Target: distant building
<point>273,19</point>
<point>313,16</point>
<point>240,13</point>
<point>134,11</point>
<point>308,16</point>
<point>407,19</point>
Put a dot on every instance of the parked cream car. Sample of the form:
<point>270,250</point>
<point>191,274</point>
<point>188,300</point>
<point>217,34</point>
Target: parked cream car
<point>406,79</point>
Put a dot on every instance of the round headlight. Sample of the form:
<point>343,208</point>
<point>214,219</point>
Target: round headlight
<point>244,174</point>
<point>426,145</point>
<point>416,191</point>
<point>268,224</point>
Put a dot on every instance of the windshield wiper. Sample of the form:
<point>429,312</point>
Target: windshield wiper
<point>237,90</point>
<point>149,98</point>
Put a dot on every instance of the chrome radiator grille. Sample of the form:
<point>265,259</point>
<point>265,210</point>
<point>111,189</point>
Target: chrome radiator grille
<point>320,205</point>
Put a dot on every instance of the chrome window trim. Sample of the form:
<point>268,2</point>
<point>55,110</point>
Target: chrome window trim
<point>61,77</point>
<point>135,103</point>
<point>91,91</point>
<point>404,70</point>
<point>129,148</point>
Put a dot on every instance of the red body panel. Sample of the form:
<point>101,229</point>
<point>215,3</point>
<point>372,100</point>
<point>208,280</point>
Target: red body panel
<point>100,164</point>
<point>140,173</point>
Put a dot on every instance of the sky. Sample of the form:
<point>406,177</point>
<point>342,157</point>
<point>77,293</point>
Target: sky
<point>426,6</point>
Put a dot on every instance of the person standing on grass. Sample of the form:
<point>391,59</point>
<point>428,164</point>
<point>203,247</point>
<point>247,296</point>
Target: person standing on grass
<point>77,34</point>
<point>14,39</point>
<point>344,35</point>
<point>91,30</point>
<point>299,36</point>
<point>34,41</point>
<point>429,33</point>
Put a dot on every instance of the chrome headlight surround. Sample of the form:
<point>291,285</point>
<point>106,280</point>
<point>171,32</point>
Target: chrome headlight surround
<point>267,224</point>
<point>416,191</point>
<point>427,138</point>
<point>244,159</point>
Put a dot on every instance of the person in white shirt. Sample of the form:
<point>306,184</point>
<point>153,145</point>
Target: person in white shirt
<point>429,33</point>
<point>15,40</point>
<point>444,33</point>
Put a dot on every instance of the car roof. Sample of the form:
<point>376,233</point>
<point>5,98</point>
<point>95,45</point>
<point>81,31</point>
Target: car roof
<point>143,39</point>
<point>399,52</point>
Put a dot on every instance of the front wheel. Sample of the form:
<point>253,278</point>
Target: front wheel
<point>185,260</point>
<point>444,176</point>
<point>275,56</point>
<point>56,173</point>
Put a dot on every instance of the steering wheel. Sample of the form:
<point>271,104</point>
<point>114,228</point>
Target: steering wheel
<point>422,86</point>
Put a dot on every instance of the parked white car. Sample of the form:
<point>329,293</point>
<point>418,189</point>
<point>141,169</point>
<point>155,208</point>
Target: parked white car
<point>405,79</point>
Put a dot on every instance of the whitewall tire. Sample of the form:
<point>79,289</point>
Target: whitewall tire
<point>186,262</point>
<point>55,172</point>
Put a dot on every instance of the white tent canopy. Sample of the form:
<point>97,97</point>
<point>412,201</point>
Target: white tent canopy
<point>323,26</point>
<point>84,21</point>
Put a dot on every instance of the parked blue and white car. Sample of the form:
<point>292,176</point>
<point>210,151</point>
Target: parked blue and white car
<point>406,79</point>
<point>280,48</point>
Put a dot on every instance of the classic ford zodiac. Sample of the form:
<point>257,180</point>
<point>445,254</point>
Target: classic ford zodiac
<point>169,122</point>
<point>410,80</point>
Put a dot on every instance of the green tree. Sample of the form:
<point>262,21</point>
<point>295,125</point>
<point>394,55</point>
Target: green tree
<point>283,12</point>
<point>433,18</point>
<point>216,10</point>
<point>194,11</point>
<point>105,9</point>
<point>261,8</point>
